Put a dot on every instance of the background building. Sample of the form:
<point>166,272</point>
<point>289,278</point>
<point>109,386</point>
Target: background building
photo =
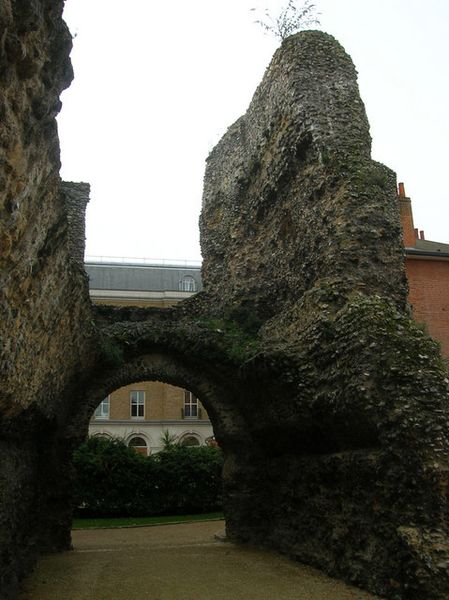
<point>144,412</point>
<point>427,267</point>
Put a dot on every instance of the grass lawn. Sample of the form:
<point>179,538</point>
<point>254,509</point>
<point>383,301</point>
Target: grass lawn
<point>141,521</point>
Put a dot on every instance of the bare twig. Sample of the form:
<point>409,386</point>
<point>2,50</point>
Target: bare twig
<point>291,19</point>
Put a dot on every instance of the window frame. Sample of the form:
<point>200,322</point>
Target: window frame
<point>190,402</point>
<point>139,403</point>
<point>187,284</point>
<point>103,415</point>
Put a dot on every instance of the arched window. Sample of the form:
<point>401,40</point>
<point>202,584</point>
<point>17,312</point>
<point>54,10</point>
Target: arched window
<point>139,445</point>
<point>187,284</point>
<point>189,440</point>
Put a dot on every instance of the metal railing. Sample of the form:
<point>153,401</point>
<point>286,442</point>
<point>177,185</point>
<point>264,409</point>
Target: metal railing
<point>132,260</point>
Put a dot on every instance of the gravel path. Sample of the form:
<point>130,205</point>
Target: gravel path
<point>175,562</point>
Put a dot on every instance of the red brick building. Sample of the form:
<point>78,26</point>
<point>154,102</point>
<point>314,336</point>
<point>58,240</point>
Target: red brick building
<point>427,266</point>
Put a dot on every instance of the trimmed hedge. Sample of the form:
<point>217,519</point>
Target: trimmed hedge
<point>113,480</point>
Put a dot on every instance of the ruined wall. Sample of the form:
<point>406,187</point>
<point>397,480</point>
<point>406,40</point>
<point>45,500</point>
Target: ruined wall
<point>44,303</point>
<point>330,404</point>
<point>291,195</point>
<point>349,450</point>
<point>44,289</point>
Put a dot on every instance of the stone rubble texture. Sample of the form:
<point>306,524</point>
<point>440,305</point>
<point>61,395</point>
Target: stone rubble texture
<point>46,342</point>
<point>330,404</point>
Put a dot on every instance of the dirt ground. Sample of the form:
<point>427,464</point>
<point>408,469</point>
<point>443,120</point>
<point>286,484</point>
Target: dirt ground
<point>175,562</point>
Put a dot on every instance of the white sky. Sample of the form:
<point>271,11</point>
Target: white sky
<point>157,83</point>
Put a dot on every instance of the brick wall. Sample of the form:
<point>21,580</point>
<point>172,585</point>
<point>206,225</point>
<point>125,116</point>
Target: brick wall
<point>162,402</point>
<point>428,279</point>
<point>429,297</point>
<point>406,214</point>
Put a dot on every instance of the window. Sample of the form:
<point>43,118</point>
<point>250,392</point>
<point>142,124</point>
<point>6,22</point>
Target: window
<point>190,406</point>
<point>187,284</point>
<point>137,404</point>
<point>102,410</point>
<point>190,440</point>
<point>139,445</point>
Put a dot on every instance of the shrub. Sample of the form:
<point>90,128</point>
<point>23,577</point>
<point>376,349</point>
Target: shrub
<point>189,478</point>
<point>112,480</point>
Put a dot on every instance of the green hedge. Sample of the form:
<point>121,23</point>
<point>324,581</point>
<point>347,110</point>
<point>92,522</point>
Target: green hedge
<point>113,480</point>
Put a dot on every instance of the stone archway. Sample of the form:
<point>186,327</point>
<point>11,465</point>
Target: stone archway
<point>216,387</point>
<point>332,406</point>
<point>215,390</point>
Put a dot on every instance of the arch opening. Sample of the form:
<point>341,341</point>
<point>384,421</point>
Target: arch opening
<point>139,445</point>
<point>112,482</point>
<point>154,412</point>
<point>190,441</point>
<point>202,395</point>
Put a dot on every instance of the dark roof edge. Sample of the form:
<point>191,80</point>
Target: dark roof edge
<point>423,253</point>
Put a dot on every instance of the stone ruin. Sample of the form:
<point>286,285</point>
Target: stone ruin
<point>330,404</point>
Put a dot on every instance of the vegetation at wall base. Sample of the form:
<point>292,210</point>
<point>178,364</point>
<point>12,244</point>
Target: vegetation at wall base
<point>105,523</point>
<point>112,480</point>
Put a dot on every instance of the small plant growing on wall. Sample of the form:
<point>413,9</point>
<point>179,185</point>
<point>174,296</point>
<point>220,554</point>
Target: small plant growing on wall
<point>293,17</point>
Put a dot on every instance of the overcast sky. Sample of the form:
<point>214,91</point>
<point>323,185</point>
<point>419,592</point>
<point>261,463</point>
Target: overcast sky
<point>157,83</point>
